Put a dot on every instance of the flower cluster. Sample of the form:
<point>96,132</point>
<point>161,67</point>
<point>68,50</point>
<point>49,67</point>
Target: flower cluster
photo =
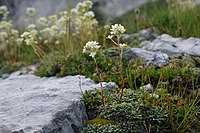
<point>43,21</point>
<point>28,38</point>
<point>33,30</point>
<point>4,11</point>
<point>5,25</point>
<point>83,18</point>
<point>91,48</point>
<point>53,19</point>
<point>30,12</point>
<point>117,30</point>
<point>54,28</point>
<point>8,34</point>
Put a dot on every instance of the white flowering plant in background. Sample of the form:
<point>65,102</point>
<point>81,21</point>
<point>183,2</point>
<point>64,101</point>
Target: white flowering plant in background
<point>8,36</point>
<point>30,12</point>
<point>4,12</point>
<point>55,28</point>
<point>56,32</point>
<point>83,21</point>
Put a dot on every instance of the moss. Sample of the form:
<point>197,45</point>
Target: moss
<point>100,121</point>
<point>138,108</point>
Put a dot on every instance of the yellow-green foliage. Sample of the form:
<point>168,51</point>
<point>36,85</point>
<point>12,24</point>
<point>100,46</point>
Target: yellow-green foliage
<point>100,121</point>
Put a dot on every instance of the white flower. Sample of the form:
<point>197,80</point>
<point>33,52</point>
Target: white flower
<point>89,15</point>
<point>88,4</point>
<point>31,27</point>
<point>63,14</point>
<point>34,33</point>
<point>137,11</point>
<point>47,31</point>
<point>117,30</point>
<point>28,38</point>
<point>91,47</point>
<point>94,22</point>
<point>55,28</point>
<point>80,7</point>
<point>3,9</point>
<point>25,35</point>
<point>19,41</point>
<point>53,18</point>
<point>30,11</point>
<point>92,54</point>
<point>74,12</point>
<point>14,32</point>
<point>3,35</point>
<point>46,42</point>
<point>110,37</point>
<point>57,42</point>
<point>5,25</point>
<point>43,21</point>
<point>62,21</point>
<point>122,45</point>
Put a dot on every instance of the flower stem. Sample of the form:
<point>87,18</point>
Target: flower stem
<point>100,79</point>
<point>120,50</point>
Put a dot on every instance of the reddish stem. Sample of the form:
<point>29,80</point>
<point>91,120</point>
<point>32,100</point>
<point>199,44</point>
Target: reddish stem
<point>100,79</point>
<point>121,68</point>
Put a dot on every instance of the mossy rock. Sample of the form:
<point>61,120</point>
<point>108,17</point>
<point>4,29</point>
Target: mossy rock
<point>101,121</point>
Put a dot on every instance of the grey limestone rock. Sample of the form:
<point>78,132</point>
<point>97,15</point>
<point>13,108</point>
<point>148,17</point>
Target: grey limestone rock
<point>173,46</point>
<point>30,104</point>
<point>148,57</point>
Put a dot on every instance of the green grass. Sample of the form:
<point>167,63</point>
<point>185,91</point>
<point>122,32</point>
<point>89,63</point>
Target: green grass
<point>164,19</point>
